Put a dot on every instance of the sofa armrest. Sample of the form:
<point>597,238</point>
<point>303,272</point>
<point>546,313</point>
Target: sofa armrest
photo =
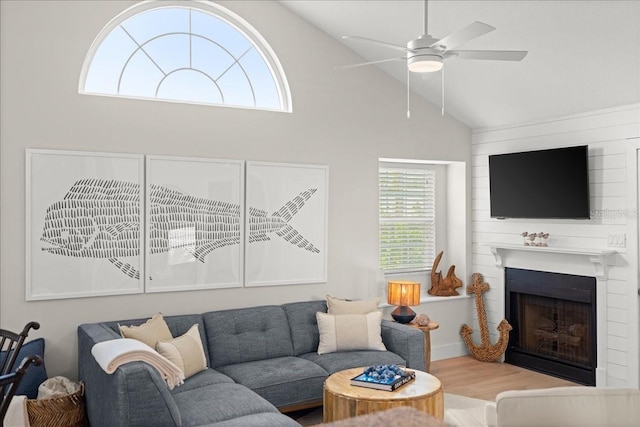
<point>569,406</point>
<point>491,415</point>
<point>405,341</point>
<point>134,395</point>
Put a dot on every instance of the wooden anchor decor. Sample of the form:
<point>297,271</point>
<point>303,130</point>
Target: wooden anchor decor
<point>443,287</point>
<point>485,352</point>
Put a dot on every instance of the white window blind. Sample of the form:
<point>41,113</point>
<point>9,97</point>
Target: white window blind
<point>407,218</point>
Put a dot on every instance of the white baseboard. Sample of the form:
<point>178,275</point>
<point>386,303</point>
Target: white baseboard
<point>447,351</point>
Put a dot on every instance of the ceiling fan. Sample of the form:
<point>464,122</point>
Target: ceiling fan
<point>426,54</point>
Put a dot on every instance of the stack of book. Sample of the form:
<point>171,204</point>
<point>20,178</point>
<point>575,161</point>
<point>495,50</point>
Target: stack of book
<point>383,377</point>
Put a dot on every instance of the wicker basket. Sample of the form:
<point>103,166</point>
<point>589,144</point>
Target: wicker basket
<point>64,411</point>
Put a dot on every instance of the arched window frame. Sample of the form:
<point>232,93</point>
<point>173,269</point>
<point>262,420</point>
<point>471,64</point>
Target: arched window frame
<point>231,18</point>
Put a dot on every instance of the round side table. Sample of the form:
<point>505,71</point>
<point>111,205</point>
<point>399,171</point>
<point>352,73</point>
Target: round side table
<point>426,329</point>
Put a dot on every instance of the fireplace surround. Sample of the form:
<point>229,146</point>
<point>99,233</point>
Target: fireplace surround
<point>590,262</point>
<point>553,316</point>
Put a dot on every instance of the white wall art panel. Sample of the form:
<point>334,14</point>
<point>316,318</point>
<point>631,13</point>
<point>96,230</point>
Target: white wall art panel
<point>286,224</point>
<point>83,224</point>
<point>195,209</point>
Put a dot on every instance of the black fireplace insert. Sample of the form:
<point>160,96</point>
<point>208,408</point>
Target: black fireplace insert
<point>554,323</point>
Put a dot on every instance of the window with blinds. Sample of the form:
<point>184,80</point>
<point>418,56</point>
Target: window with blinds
<point>407,218</point>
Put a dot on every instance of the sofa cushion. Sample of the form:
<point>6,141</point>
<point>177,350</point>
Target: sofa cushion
<point>284,381</point>
<point>304,324</point>
<point>247,334</point>
<point>334,362</point>
<point>219,402</point>
<point>202,379</point>
<point>185,352</point>
<point>346,332</point>
<point>342,306</point>
<point>150,332</point>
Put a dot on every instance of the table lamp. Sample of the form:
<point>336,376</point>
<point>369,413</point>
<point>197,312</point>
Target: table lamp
<point>403,294</point>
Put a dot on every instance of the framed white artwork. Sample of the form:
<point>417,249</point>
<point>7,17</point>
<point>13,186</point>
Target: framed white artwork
<point>286,224</point>
<point>194,223</point>
<point>83,224</point>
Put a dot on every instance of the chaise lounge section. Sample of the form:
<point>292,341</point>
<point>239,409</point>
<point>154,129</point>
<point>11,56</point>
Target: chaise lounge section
<point>261,361</point>
<point>567,406</point>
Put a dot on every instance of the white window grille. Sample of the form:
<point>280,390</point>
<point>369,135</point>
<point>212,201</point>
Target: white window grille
<point>196,52</point>
<point>407,218</point>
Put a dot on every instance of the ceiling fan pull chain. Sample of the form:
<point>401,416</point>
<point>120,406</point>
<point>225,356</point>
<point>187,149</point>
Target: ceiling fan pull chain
<point>408,104</point>
<point>442,91</point>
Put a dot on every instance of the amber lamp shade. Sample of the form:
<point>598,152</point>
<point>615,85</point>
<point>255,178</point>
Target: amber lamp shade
<point>403,294</point>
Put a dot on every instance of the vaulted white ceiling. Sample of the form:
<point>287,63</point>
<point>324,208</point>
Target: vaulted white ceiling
<point>584,55</point>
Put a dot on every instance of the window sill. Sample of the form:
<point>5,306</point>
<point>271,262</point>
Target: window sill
<point>388,273</point>
<point>430,298</point>
<point>427,299</point>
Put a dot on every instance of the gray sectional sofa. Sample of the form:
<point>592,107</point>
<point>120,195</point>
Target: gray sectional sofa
<point>261,361</point>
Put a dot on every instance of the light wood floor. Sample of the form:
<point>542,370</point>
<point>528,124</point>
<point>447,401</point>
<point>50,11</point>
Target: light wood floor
<point>469,377</point>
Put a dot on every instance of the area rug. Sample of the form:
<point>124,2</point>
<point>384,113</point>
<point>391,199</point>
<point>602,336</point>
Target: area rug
<point>460,411</point>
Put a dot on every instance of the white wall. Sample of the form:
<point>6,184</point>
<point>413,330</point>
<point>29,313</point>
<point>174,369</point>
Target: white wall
<point>345,119</point>
<point>608,134</point>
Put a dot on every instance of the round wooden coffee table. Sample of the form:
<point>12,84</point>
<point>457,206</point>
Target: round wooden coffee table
<point>343,400</point>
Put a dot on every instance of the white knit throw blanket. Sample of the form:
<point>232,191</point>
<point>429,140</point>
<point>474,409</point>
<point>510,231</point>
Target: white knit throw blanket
<point>113,353</point>
<point>17,415</point>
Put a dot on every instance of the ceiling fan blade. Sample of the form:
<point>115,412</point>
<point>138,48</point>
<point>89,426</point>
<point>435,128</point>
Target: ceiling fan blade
<point>377,42</point>
<point>361,64</point>
<point>494,55</point>
<point>463,35</point>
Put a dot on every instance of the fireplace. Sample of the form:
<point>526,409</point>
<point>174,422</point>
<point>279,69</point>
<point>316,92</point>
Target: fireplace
<point>554,323</point>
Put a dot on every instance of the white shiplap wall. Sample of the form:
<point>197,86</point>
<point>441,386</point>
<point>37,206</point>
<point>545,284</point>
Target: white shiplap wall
<point>608,133</point>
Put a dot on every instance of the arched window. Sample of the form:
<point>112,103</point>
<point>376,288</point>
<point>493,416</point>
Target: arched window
<point>195,52</point>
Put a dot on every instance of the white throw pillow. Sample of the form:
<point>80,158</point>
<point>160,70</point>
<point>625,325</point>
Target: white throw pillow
<point>345,332</point>
<point>341,306</point>
<point>186,352</point>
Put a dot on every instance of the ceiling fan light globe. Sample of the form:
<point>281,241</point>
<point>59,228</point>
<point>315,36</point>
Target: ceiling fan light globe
<point>424,63</point>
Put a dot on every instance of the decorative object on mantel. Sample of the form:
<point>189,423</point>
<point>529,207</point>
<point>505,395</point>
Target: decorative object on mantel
<point>443,287</point>
<point>403,294</point>
<point>530,238</point>
<point>485,352</point>
<point>543,238</point>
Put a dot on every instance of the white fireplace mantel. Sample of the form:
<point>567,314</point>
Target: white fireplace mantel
<point>600,258</point>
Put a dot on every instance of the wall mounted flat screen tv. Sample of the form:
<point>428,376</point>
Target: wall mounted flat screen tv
<point>550,183</point>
